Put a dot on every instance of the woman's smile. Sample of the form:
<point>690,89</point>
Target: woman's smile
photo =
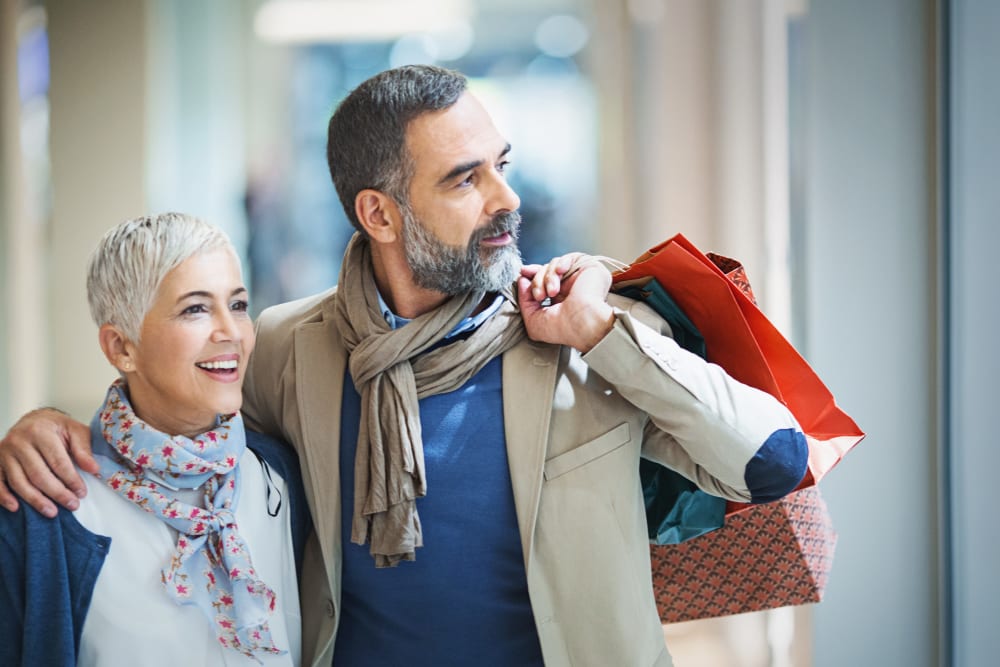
<point>222,368</point>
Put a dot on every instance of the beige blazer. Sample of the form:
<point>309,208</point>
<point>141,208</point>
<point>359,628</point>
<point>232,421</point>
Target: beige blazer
<point>575,428</point>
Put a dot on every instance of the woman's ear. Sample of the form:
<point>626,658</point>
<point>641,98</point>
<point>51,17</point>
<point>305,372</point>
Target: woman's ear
<point>118,350</point>
<point>379,215</point>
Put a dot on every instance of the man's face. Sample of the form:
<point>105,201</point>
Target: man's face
<point>460,227</point>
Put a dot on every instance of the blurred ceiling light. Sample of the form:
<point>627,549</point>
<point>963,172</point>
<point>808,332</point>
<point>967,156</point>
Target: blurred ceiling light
<point>413,49</point>
<point>454,41</point>
<point>432,47</point>
<point>561,36</point>
<point>304,21</point>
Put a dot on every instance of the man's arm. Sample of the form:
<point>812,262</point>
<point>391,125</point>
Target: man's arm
<point>732,439</point>
<point>37,461</point>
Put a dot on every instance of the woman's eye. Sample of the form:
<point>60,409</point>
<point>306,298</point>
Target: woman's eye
<point>195,309</point>
<point>240,305</point>
<point>502,167</point>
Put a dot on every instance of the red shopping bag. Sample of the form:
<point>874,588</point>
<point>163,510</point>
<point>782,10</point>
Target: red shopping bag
<point>743,341</point>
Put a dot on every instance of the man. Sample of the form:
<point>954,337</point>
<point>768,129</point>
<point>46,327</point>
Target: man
<point>471,455</point>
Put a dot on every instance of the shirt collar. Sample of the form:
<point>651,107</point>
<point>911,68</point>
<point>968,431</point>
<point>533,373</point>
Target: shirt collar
<point>468,324</point>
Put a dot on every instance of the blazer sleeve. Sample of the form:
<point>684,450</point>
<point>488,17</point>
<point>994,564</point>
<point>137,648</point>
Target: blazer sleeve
<point>731,439</point>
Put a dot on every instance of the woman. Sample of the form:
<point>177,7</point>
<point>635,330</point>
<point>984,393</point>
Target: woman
<point>182,550</point>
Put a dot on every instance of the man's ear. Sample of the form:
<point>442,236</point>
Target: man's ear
<point>379,215</point>
<point>117,348</point>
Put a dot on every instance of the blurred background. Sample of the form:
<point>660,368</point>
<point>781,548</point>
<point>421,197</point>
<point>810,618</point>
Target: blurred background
<point>844,150</point>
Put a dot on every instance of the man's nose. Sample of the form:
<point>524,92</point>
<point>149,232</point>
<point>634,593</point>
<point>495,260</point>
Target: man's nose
<point>502,197</point>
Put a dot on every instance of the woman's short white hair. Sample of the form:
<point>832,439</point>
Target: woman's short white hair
<point>132,259</point>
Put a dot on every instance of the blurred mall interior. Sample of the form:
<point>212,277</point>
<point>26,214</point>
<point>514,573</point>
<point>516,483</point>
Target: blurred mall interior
<point>844,150</point>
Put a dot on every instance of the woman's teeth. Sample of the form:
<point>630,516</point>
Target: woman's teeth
<point>218,365</point>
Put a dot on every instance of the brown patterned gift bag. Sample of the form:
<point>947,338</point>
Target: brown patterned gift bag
<point>763,556</point>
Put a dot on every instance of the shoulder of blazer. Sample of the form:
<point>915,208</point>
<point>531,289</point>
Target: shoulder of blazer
<point>640,312</point>
<point>276,328</point>
<point>275,331</point>
<point>287,316</point>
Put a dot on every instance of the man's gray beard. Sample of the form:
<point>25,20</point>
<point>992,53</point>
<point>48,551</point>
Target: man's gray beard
<point>455,270</point>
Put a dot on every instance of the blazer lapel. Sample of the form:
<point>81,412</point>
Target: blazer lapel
<point>526,417</point>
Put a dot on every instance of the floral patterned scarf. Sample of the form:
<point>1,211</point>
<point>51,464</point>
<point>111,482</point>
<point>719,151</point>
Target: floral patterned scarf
<point>211,567</point>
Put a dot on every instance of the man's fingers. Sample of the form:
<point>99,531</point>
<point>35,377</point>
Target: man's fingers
<point>59,466</point>
<point>18,482</point>
<point>529,270</point>
<point>7,499</point>
<point>82,453</point>
<point>37,478</point>
<point>545,282</point>
<point>525,299</point>
<point>552,279</point>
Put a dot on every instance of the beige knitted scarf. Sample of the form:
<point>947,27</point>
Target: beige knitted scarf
<point>392,371</point>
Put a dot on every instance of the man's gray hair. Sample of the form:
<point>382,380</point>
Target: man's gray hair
<point>132,259</point>
<point>366,138</point>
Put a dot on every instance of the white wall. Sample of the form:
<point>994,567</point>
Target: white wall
<point>870,322</point>
<point>98,124</point>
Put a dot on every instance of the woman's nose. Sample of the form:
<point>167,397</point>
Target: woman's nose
<point>225,327</point>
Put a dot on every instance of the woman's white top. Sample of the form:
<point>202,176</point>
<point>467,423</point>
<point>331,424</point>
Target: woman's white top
<point>132,621</point>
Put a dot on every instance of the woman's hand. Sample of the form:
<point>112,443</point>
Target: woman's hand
<point>36,463</point>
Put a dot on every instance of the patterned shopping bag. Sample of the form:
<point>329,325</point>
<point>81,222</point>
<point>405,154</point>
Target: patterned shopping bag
<point>766,556</point>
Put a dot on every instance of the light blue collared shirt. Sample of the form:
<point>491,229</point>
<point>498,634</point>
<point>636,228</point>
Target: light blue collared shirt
<point>468,324</point>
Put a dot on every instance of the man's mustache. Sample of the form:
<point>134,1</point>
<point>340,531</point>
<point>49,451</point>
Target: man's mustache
<point>508,222</point>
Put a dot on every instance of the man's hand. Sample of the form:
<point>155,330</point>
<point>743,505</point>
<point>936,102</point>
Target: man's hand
<point>577,313</point>
<point>35,461</point>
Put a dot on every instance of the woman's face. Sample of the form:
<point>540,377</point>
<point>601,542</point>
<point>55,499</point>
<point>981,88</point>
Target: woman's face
<point>195,342</point>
